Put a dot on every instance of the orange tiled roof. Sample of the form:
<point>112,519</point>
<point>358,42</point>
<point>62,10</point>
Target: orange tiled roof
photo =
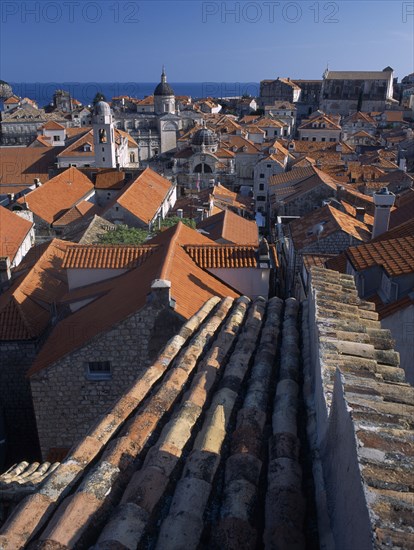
<point>385,310</point>
<point>118,298</point>
<point>13,231</point>
<point>110,179</point>
<point>106,257</point>
<point>50,201</point>
<point>331,220</point>
<point>26,307</point>
<point>20,165</point>
<point>12,100</point>
<point>223,256</point>
<point>52,125</point>
<point>396,256</point>
<point>84,209</point>
<point>230,227</point>
<point>144,196</point>
<point>77,147</point>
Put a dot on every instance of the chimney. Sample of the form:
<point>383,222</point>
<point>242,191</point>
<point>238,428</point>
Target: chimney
<point>264,256</point>
<point>5,272</point>
<point>180,212</point>
<point>360,213</point>
<point>160,295</point>
<point>383,201</point>
<point>37,182</point>
<point>403,164</point>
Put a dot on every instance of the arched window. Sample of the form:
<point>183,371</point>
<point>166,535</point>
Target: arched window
<point>102,136</point>
<point>203,168</point>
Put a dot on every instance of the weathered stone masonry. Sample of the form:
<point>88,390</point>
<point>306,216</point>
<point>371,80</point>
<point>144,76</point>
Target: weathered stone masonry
<point>67,403</point>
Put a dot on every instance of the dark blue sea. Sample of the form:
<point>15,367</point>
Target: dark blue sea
<point>42,92</point>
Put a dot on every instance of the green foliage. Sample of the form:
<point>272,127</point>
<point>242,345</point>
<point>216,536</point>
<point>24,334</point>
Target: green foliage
<point>131,235</point>
<point>169,222</point>
<point>125,235</point>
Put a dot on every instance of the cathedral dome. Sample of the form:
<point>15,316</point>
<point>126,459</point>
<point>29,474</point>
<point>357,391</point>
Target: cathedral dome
<point>206,137</point>
<point>163,88</point>
<point>102,108</point>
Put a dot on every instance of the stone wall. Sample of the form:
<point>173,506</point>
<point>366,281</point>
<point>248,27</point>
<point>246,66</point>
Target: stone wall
<point>16,406</point>
<point>305,202</point>
<point>67,403</point>
<point>335,243</point>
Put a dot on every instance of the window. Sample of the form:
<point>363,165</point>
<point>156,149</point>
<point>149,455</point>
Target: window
<point>332,139</point>
<point>103,149</point>
<point>314,139</point>
<point>261,198</point>
<point>99,370</point>
<point>268,165</point>
<point>261,186</point>
<point>261,176</point>
<point>103,159</point>
<point>323,139</point>
<point>56,138</point>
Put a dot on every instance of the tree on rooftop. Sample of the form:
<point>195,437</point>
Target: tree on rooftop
<point>125,235</point>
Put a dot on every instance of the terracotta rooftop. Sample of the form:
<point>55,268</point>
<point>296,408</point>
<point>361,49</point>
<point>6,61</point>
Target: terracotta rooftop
<point>21,165</point>
<point>27,307</point>
<point>52,199</point>
<point>115,299</point>
<point>146,473</point>
<point>321,223</point>
<point>106,257</point>
<point>13,231</point>
<point>81,211</point>
<point>223,256</point>
<point>231,228</point>
<point>53,125</point>
<point>144,196</point>
<point>110,179</point>
<point>396,256</point>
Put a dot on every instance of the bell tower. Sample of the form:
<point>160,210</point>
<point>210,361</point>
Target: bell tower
<point>104,136</point>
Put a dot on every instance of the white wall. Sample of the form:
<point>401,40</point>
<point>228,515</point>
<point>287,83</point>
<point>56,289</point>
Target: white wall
<point>83,277</point>
<point>401,325</point>
<point>251,282</point>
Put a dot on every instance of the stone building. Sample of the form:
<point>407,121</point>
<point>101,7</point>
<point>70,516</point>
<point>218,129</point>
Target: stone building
<point>154,457</point>
<point>320,127</point>
<point>28,309</point>
<point>344,92</point>
<point>299,191</point>
<point>281,89</point>
<point>119,320</point>
<point>54,198</point>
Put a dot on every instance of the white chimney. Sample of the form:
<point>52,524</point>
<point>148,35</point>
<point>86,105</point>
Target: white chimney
<point>180,212</point>
<point>383,200</point>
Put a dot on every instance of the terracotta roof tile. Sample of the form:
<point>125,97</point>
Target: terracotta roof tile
<point>144,196</point>
<point>223,256</point>
<point>53,125</point>
<point>126,294</point>
<point>231,228</point>
<point>331,220</point>
<point>21,165</point>
<point>106,257</point>
<point>27,307</point>
<point>82,211</point>
<point>110,179</point>
<point>54,197</point>
<point>396,256</point>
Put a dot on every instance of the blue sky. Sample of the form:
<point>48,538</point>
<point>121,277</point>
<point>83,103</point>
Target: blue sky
<point>81,40</point>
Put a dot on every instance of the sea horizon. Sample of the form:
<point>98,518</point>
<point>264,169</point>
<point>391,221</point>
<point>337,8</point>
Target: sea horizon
<point>42,92</point>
